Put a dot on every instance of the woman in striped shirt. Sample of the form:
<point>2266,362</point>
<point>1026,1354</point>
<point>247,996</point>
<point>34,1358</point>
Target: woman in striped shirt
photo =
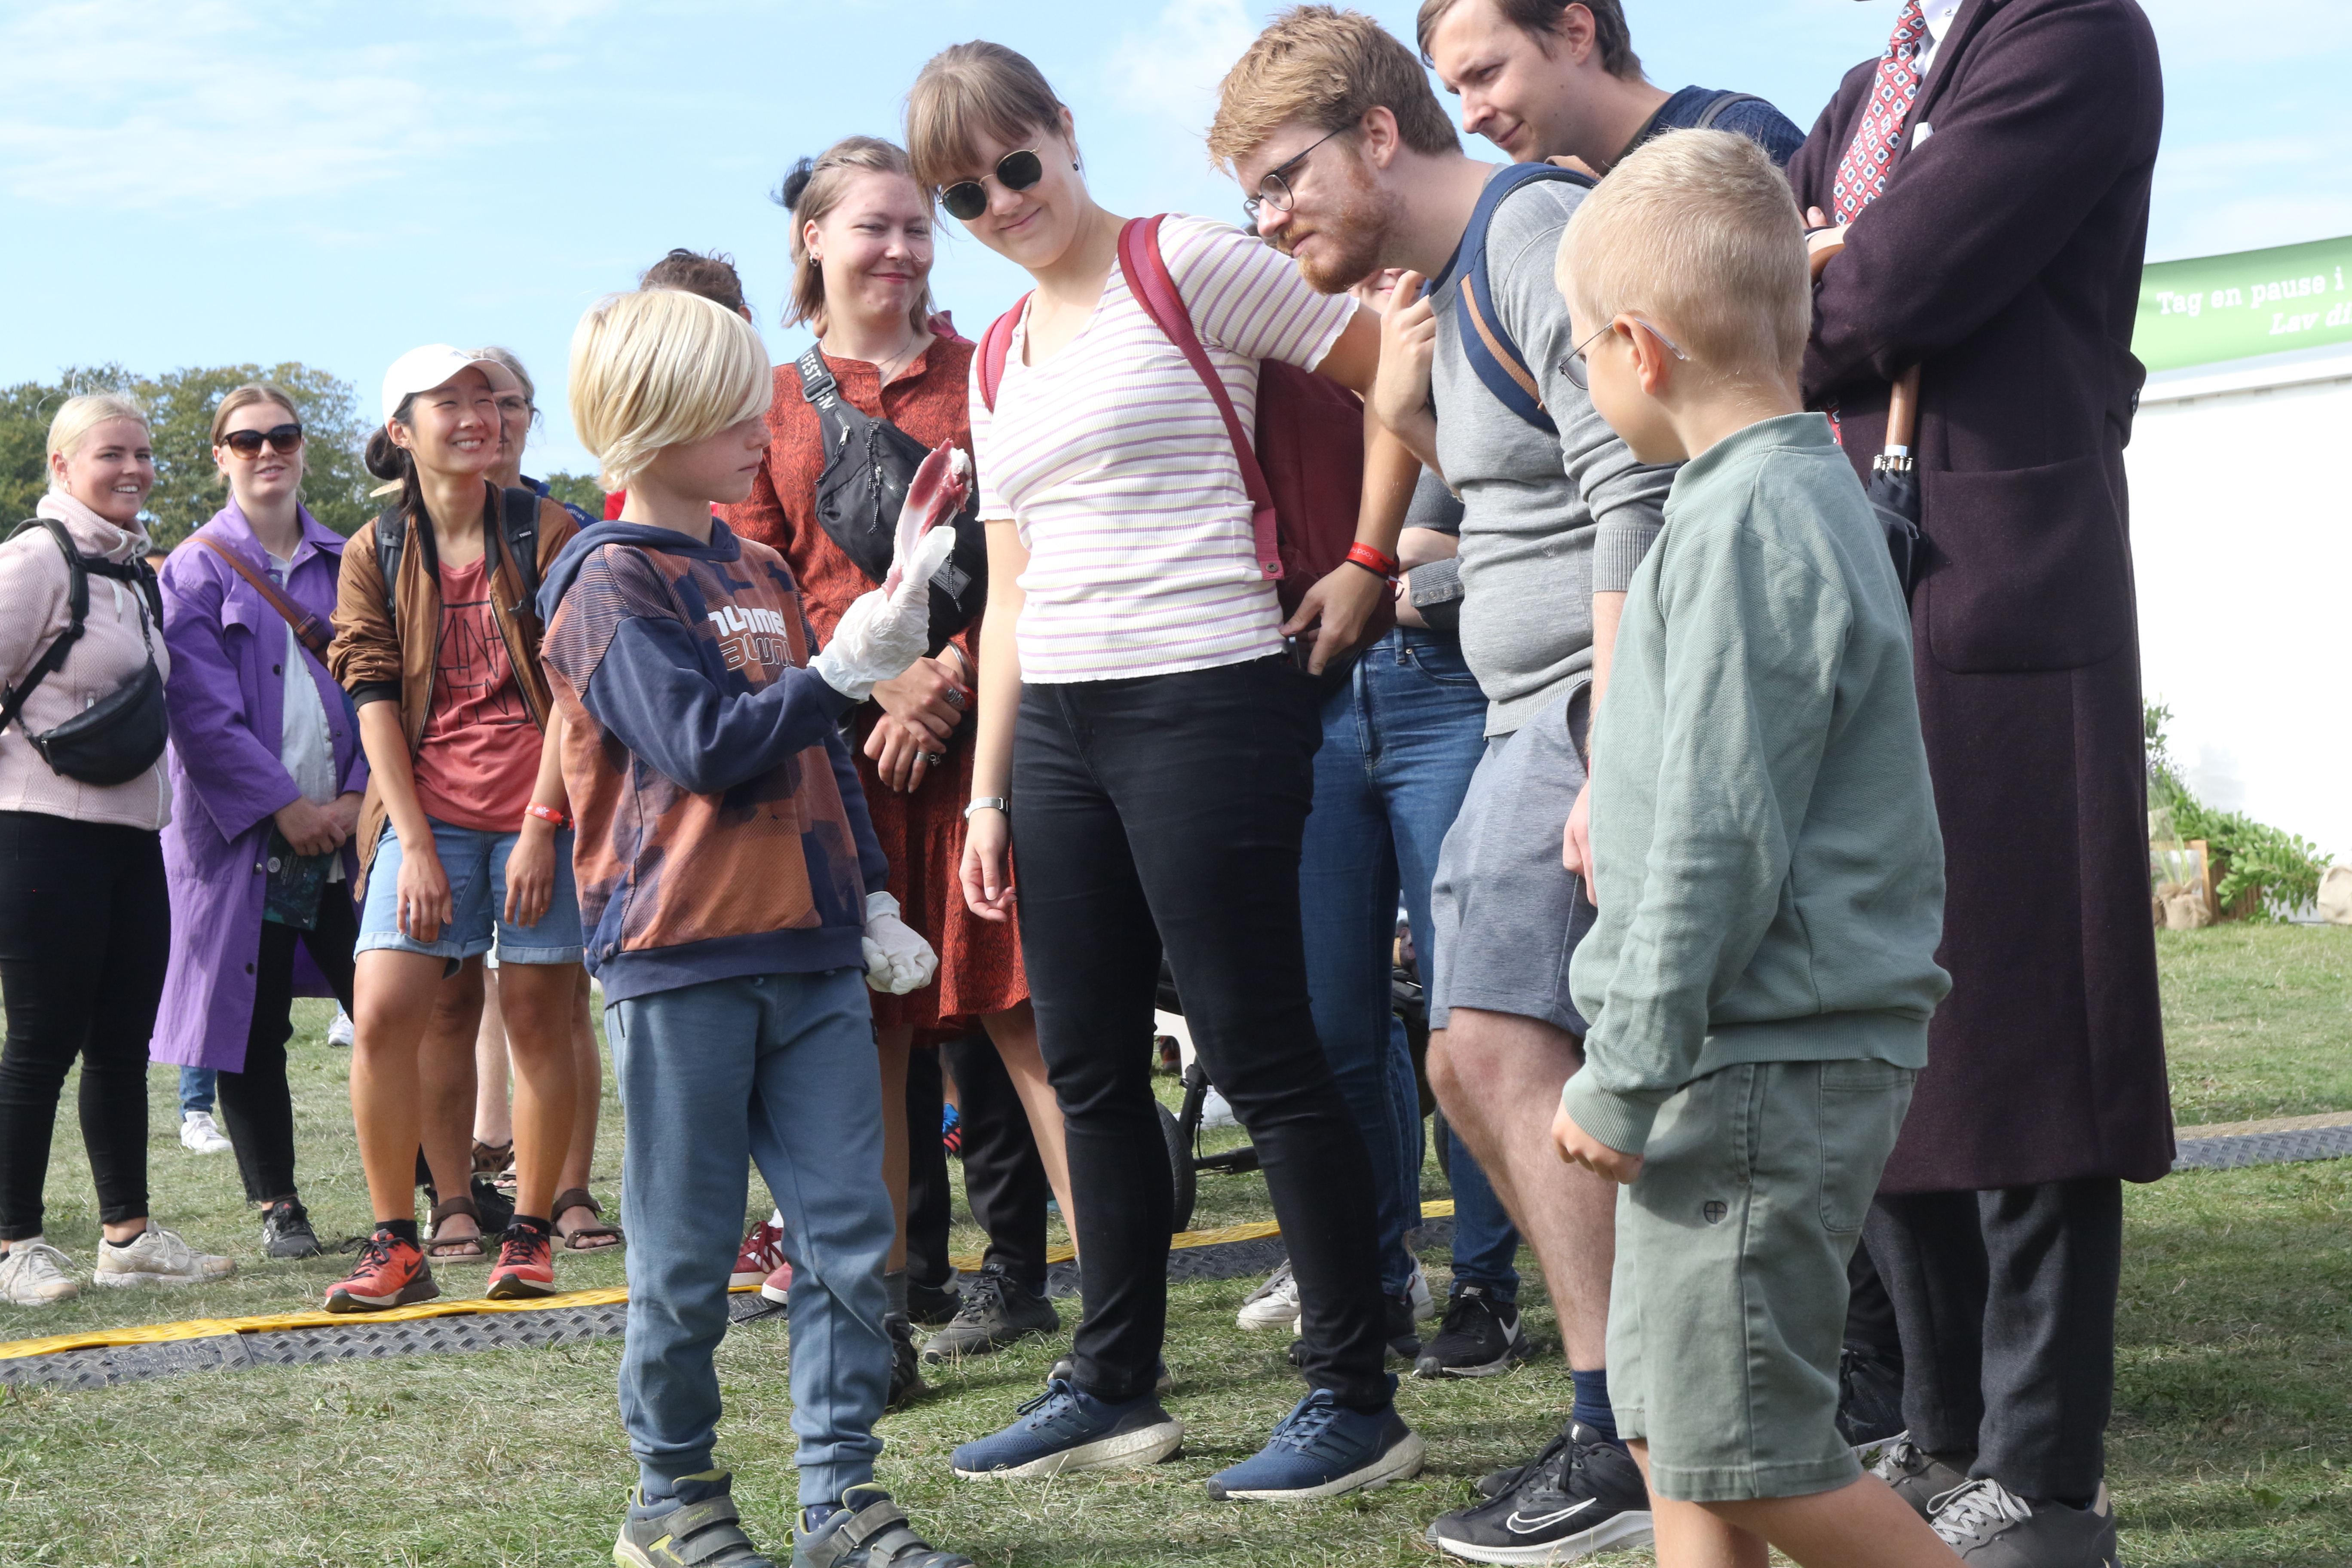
<point>1156,746</point>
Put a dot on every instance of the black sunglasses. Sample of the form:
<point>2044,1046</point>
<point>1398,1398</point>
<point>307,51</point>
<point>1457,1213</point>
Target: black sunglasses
<point>967,199</point>
<point>282,439</point>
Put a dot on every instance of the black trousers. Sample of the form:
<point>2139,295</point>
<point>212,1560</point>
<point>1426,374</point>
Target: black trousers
<point>85,937</point>
<point>257,1105</point>
<point>1004,1177</point>
<point>2006,1304</point>
<point>931,1202</point>
<point>1169,809</point>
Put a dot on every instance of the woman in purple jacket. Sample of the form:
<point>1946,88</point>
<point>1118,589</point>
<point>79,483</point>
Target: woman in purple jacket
<point>267,773</point>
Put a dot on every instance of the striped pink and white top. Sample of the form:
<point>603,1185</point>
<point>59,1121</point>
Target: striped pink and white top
<point>1114,461</point>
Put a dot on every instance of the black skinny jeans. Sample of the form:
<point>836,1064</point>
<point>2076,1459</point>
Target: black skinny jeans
<point>1170,808</point>
<point>85,935</point>
<point>257,1104</point>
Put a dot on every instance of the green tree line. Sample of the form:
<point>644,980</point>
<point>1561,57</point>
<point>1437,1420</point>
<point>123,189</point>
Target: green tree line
<point>188,487</point>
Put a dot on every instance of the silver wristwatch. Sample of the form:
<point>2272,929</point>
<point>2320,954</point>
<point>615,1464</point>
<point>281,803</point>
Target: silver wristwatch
<point>988,803</point>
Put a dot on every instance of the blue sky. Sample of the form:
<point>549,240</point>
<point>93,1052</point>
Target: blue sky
<point>189,182</point>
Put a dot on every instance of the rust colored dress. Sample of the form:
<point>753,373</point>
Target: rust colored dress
<point>921,832</point>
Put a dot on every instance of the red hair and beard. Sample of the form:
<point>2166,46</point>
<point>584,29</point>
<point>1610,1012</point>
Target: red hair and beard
<point>1352,226</point>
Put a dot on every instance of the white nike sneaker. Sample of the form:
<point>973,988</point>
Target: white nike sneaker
<point>199,1132</point>
<point>1274,1304</point>
<point>34,1274</point>
<point>157,1257</point>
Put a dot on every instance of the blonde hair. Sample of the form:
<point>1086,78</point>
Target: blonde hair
<point>1329,68</point>
<point>246,396</point>
<point>77,417</point>
<point>1698,229</point>
<point>967,91</point>
<point>661,368</point>
<point>814,187</point>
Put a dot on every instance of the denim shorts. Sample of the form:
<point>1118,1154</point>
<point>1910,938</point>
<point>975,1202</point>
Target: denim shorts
<point>1728,1305</point>
<point>474,861</point>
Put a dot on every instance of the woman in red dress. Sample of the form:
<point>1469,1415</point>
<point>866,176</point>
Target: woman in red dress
<point>861,264</point>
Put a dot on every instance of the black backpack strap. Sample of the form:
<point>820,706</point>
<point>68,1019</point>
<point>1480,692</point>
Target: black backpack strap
<point>1499,365</point>
<point>1723,102</point>
<point>518,528</point>
<point>12,700</point>
<point>390,537</point>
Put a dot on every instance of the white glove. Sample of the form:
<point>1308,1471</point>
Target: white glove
<point>897,959</point>
<point>887,629</point>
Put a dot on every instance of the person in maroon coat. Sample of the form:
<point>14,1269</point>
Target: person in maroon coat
<point>1993,166</point>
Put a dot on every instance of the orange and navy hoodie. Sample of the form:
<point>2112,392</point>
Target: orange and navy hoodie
<point>722,830</point>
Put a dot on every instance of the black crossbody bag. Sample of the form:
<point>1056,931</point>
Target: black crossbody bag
<point>120,735</point>
<point>869,465</point>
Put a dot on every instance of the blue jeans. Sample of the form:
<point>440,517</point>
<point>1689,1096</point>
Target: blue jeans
<point>196,1090</point>
<point>779,1069</point>
<point>1486,1243</point>
<point>474,861</point>
<point>1400,742</point>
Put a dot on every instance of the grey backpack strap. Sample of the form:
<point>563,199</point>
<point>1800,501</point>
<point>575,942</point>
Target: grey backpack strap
<point>1724,102</point>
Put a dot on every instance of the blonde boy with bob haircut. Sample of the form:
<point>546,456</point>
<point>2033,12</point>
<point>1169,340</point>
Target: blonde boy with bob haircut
<point>733,888</point>
<point>1768,870</point>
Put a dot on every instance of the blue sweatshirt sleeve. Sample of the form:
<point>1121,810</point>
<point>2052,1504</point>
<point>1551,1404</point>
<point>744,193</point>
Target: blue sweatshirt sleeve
<point>652,692</point>
<point>872,864</point>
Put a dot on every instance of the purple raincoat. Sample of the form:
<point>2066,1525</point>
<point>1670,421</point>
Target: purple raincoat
<point>228,693</point>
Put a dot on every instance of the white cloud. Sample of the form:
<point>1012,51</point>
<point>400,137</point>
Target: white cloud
<point>1172,67</point>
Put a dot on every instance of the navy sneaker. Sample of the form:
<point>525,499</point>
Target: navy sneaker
<point>866,1530</point>
<point>1322,1449</point>
<point>1066,1428</point>
<point>1581,1495</point>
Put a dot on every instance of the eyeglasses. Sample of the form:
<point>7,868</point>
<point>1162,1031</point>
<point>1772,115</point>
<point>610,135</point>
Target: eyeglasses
<point>967,199</point>
<point>1574,367</point>
<point>282,438</point>
<point>1274,190</point>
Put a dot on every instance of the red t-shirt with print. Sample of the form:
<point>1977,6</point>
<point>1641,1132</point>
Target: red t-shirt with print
<point>478,759</point>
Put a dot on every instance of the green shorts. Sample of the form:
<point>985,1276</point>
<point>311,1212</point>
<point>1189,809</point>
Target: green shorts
<point>1727,1306</point>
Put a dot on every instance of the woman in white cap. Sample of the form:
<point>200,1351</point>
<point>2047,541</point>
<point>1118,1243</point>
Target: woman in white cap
<point>85,924</point>
<point>463,835</point>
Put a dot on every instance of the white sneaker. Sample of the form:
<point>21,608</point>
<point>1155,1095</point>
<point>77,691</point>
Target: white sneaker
<point>156,1256</point>
<point>1424,1306</point>
<point>339,1033</point>
<point>200,1132</point>
<point>34,1274</point>
<point>1273,1305</point>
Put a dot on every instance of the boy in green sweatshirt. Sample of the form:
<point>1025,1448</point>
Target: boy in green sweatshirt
<point>1766,863</point>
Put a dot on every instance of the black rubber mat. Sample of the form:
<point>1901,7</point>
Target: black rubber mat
<point>2263,1148</point>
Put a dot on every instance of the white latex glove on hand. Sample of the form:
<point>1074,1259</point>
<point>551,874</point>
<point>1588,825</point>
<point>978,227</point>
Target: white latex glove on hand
<point>887,629</point>
<point>897,959</point>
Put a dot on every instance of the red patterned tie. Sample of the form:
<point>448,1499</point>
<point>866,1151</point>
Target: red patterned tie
<point>1861,173</point>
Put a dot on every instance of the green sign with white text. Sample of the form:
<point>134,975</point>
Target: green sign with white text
<point>2215,307</point>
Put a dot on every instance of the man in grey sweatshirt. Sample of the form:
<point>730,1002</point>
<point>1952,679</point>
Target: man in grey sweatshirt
<point>1558,513</point>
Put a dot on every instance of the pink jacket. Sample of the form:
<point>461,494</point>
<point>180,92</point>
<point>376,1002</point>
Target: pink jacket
<point>33,583</point>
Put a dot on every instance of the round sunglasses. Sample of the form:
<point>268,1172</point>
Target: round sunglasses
<point>967,199</point>
<point>282,440</point>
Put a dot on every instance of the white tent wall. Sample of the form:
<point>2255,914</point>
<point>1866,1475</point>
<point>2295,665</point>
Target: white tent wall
<point>2242,544</point>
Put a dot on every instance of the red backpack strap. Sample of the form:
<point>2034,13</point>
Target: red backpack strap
<point>995,344</point>
<point>1147,279</point>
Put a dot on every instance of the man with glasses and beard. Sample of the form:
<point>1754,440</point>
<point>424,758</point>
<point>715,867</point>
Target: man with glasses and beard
<point>1329,122</point>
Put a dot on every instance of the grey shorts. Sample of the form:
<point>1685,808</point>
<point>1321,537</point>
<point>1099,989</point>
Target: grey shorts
<point>1728,1302</point>
<point>1504,915</point>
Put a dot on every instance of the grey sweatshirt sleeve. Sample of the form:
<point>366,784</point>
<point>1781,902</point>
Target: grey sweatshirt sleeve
<point>1752,640</point>
<point>1624,496</point>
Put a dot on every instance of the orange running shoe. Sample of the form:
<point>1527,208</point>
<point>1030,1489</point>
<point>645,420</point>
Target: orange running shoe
<point>762,1249</point>
<point>526,1265</point>
<point>391,1273</point>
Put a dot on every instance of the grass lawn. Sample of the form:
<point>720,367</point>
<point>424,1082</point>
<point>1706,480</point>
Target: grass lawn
<point>2231,1443</point>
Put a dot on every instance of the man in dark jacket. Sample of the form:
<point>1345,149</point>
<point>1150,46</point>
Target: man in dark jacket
<point>1994,166</point>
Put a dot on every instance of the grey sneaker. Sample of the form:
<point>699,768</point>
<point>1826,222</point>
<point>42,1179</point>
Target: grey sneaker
<point>1993,1527</point>
<point>34,1274</point>
<point>157,1257</point>
<point>1919,1478</point>
<point>997,1309</point>
<point>865,1531</point>
<point>677,1533</point>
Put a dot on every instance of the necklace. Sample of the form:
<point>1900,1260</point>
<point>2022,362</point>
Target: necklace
<point>885,368</point>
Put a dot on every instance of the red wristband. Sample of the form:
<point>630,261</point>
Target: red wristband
<point>1374,561</point>
<point>547,814</point>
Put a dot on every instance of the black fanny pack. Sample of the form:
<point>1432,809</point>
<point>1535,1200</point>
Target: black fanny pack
<point>119,736</point>
<point>869,466</point>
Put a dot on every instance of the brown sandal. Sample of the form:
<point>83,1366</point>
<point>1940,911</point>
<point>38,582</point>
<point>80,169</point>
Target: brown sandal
<point>597,1237</point>
<point>459,1245</point>
<point>489,1159</point>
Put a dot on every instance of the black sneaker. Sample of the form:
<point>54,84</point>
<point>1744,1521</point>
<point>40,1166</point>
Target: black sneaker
<point>997,1309</point>
<point>1480,1337</point>
<point>905,1374</point>
<point>1584,1496</point>
<point>1991,1527</point>
<point>1403,1333</point>
<point>1870,1403</point>
<point>1919,1478</point>
<point>931,1305</point>
<point>286,1230</point>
